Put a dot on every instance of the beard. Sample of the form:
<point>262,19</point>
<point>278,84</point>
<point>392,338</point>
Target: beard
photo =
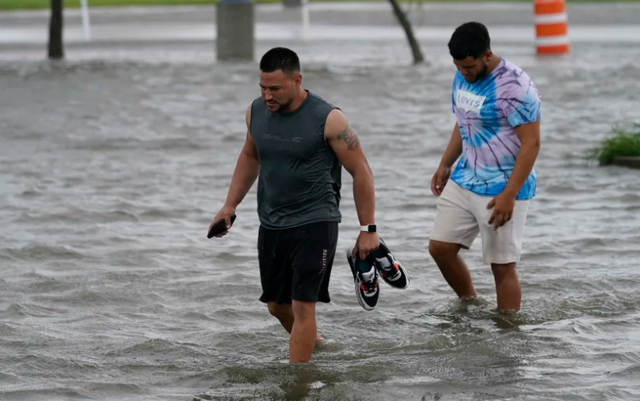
<point>482,73</point>
<point>280,105</point>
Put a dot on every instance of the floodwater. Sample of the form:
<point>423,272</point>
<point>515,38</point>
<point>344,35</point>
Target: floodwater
<point>113,163</point>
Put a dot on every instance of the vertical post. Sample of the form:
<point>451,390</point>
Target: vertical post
<point>305,18</point>
<point>56,48</point>
<point>86,26</point>
<point>303,6</point>
<point>551,26</point>
<point>235,23</point>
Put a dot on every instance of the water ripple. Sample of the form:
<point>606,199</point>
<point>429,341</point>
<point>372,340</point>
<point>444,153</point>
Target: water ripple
<point>110,289</point>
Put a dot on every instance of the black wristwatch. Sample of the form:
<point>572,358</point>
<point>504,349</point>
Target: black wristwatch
<point>371,228</point>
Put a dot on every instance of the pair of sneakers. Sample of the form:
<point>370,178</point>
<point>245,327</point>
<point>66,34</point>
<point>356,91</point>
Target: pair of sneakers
<point>365,272</point>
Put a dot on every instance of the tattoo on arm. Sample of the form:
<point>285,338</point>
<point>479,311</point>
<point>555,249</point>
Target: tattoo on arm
<point>349,136</point>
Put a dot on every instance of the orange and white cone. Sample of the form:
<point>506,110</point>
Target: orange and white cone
<point>551,27</point>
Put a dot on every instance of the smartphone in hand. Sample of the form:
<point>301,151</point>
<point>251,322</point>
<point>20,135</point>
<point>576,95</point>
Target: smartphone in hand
<point>219,227</point>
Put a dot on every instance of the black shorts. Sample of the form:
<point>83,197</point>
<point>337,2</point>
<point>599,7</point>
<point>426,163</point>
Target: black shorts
<point>295,263</point>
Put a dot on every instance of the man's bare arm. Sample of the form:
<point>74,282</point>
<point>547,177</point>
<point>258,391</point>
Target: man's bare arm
<point>454,149</point>
<point>529,135</point>
<point>247,169</point>
<point>345,143</point>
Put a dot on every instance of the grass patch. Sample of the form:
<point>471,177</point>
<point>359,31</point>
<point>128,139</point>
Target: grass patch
<point>43,4</point>
<point>621,143</point>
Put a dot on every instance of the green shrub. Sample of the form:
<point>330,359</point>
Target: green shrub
<point>621,143</point>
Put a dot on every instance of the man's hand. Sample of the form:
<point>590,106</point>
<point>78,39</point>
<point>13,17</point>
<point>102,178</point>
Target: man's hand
<point>439,180</point>
<point>366,243</point>
<point>503,206</point>
<point>451,154</point>
<point>225,213</point>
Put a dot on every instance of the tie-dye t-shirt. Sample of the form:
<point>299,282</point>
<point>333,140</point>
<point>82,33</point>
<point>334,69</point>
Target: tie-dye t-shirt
<point>487,112</point>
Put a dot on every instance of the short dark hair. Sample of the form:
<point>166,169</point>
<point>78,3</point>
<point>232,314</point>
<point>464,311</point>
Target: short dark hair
<point>469,39</point>
<point>280,58</point>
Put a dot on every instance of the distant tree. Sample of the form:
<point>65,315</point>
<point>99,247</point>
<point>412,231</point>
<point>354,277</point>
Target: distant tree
<point>56,48</point>
<point>413,43</point>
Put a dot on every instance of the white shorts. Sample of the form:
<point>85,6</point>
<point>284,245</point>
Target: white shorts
<point>462,214</point>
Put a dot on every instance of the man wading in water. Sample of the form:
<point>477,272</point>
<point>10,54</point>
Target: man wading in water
<point>296,145</point>
<point>497,108</point>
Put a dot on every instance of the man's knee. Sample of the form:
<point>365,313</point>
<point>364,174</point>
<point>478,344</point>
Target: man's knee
<point>443,250</point>
<point>280,311</point>
<point>503,270</point>
<point>304,310</point>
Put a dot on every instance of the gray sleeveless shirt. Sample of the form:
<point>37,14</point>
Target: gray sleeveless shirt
<point>300,175</point>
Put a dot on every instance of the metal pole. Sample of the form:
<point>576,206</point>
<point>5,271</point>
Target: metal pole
<point>305,19</point>
<point>85,19</point>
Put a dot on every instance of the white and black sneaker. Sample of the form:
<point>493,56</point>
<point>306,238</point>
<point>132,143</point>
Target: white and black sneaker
<point>365,278</point>
<point>390,269</point>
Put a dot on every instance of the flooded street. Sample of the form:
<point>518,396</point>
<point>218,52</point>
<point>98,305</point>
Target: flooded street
<point>113,163</point>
